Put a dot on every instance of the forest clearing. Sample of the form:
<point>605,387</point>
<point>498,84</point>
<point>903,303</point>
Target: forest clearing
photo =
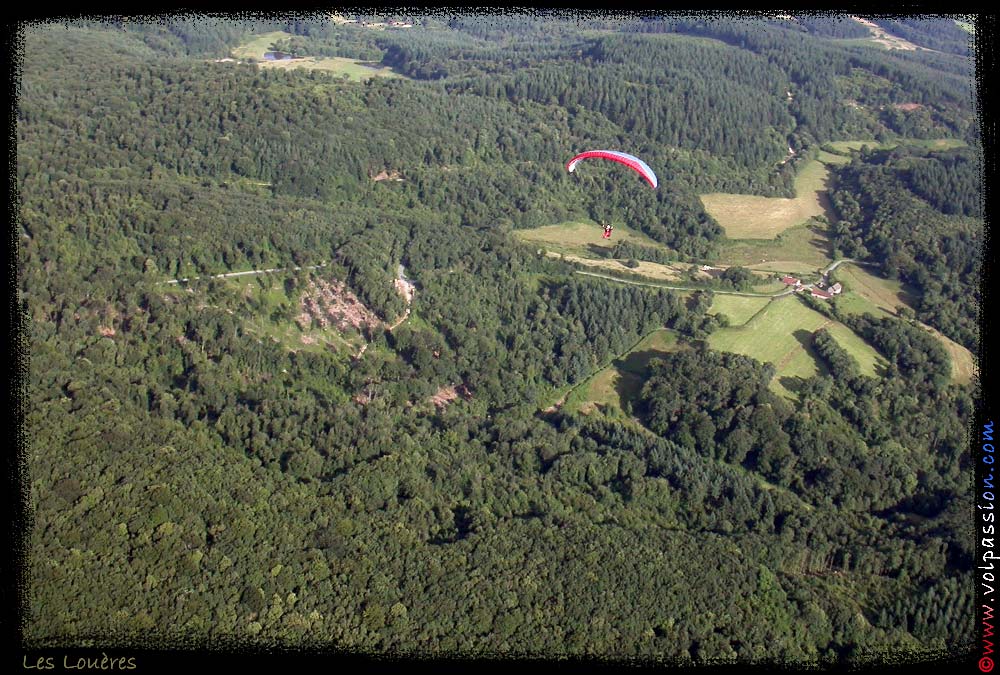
<point>781,334</point>
<point>867,292</point>
<point>583,236</point>
<point>738,309</point>
<point>654,271</point>
<point>256,46</point>
<point>801,249</point>
<point>619,382</point>
<point>753,217</point>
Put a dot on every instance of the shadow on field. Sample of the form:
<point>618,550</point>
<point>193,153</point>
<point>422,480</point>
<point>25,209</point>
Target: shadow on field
<point>792,383</point>
<point>824,198</point>
<point>636,363</point>
<point>633,371</point>
<point>804,337</point>
<point>820,240</point>
<point>629,388</point>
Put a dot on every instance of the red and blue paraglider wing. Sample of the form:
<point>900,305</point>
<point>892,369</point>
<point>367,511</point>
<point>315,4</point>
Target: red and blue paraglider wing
<point>631,161</point>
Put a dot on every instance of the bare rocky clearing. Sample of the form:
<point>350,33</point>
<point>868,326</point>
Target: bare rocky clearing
<point>446,395</point>
<point>332,303</point>
<point>387,175</point>
<point>886,39</point>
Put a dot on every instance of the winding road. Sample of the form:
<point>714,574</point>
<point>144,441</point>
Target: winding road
<point>788,291</point>
<point>686,288</point>
<point>245,274</point>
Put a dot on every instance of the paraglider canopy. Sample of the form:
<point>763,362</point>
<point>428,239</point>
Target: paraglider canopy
<point>631,161</point>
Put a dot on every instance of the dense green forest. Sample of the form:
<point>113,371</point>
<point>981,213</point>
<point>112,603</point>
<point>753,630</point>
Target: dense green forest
<point>195,472</point>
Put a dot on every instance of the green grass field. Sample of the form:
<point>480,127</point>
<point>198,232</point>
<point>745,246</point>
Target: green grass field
<point>609,388</point>
<point>870,361</point>
<point>830,158</point>
<point>847,146</point>
<point>604,391</point>
<point>255,47</point>
<point>884,294</point>
<point>802,249</point>
<point>963,363</point>
<point>654,271</point>
<point>855,303</point>
<point>753,217</point>
<point>782,334</point>
<point>353,70</point>
<point>770,285</point>
<point>738,308</point>
<point>581,242</point>
<point>660,341</point>
<point>579,236</point>
<point>930,144</point>
<point>779,235</point>
<point>938,143</point>
<point>866,292</point>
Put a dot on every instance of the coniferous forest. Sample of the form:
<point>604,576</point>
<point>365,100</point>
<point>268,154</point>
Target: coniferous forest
<point>212,457</point>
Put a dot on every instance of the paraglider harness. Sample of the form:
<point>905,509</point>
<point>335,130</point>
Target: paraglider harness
<point>607,231</point>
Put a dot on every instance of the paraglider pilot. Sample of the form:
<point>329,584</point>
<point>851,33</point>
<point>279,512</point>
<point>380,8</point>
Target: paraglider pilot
<point>607,232</point>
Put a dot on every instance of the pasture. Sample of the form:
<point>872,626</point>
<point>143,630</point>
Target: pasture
<point>938,143</point>
<point>621,381</point>
<point>739,309</point>
<point>582,236</point>
<point>604,390</point>
<point>847,146</point>
<point>653,271</point>
<point>928,144</point>
<point>866,292</point>
<point>255,47</point>
<point>781,334</point>
<point>676,273</point>
<point>357,71</point>
<point>886,294</point>
<point>658,342</point>
<point>830,158</point>
<point>963,363</point>
<point>754,217</point>
<point>768,284</point>
<point>855,303</point>
<point>871,363</point>
<point>802,249</point>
